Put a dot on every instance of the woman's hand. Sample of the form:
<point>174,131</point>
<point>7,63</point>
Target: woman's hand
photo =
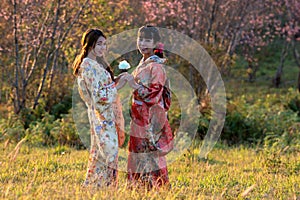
<point>117,78</point>
<point>121,80</point>
<point>131,82</point>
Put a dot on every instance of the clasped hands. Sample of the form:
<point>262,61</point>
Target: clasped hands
<point>124,78</point>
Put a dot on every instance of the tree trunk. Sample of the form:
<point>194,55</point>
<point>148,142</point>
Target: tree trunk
<point>1,82</point>
<point>56,52</point>
<point>234,40</point>
<point>297,60</point>
<point>50,55</point>
<point>251,71</point>
<point>277,78</point>
<point>211,21</point>
<point>16,95</point>
<point>299,81</point>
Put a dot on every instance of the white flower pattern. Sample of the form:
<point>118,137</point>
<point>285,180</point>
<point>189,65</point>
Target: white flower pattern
<point>98,91</point>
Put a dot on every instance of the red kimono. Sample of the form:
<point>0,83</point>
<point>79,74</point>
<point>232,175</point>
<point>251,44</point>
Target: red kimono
<point>151,137</point>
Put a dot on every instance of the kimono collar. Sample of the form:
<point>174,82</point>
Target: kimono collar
<point>154,58</point>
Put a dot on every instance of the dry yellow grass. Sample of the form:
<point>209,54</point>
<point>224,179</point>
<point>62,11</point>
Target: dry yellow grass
<point>229,173</point>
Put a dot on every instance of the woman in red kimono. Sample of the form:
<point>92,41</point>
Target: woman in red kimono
<point>151,137</point>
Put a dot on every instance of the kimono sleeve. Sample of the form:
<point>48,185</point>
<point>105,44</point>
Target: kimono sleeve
<point>98,92</point>
<point>151,92</point>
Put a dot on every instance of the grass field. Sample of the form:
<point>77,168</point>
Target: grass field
<point>228,173</point>
<point>235,172</point>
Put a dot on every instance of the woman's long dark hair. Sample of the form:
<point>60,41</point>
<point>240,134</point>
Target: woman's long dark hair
<point>103,62</point>
<point>88,42</point>
<point>152,32</point>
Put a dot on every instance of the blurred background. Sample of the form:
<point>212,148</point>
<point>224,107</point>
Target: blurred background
<point>254,43</point>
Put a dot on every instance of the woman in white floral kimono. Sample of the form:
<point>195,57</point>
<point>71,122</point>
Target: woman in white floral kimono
<point>98,90</point>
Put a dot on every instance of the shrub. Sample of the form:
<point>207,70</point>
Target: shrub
<point>64,132</point>
<point>38,132</point>
<point>62,107</point>
<point>12,128</point>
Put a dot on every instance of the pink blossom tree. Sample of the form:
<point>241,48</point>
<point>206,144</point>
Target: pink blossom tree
<point>226,25</point>
<point>292,30</point>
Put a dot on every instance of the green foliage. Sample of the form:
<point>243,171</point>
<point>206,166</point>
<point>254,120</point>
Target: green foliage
<point>294,104</point>
<point>62,107</point>
<point>269,118</point>
<point>38,132</point>
<point>265,118</point>
<point>64,132</point>
<point>40,127</point>
<point>51,131</point>
<point>240,129</point>
<point>11,128</point>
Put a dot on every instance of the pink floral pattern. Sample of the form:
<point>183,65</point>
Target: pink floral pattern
<point>150,129</point>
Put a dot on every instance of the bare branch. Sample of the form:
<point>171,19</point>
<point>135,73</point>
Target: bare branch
<point>49,56</point>
<point>61,40</point>
<point>16,83</point>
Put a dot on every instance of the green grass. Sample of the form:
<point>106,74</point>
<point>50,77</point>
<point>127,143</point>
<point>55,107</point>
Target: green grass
<point>56,173</point>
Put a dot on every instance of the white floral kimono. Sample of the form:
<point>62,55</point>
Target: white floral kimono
<point>99,93</point>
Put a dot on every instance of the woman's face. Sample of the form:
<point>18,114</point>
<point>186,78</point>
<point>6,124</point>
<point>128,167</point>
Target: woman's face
<point>100,47</point>
<point>145,45</point>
